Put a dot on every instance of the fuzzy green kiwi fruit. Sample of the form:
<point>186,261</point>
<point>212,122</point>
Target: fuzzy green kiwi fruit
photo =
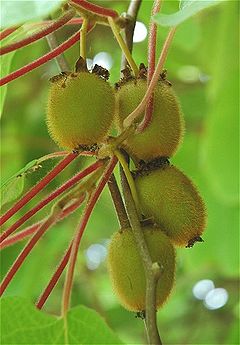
<point>80,109</point>
<point>164,134</point>
<point>171,199</point>
<point>127,272</point>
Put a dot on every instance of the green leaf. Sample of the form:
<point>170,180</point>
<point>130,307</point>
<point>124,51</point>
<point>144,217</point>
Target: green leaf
<point>12,188</point>
<point>22,323</point>
<point>188,8</point>
<point>18,12</point>
<point>221,143</point>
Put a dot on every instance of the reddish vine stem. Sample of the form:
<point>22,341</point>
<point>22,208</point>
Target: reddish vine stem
<point>21,235</point>
<point>151,65</point>
<point>77,238</point>
<point>6,32</point>
<point>141,107</point>
<point>101,11</point>
<point>26,250</point>
<point>38,187</point>
<point>70,183</point>
<point>42,60</point>
<point>55,277</point>
<point>55,25</point>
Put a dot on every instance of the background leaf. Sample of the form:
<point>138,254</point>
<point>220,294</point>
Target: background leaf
<point>18,12</point>
<point>221,145</point>
<point>22,323</point>
<point>188,8</point>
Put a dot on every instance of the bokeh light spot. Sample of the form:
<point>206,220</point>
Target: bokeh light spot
<point>216,298</point>
<point>103,59</point>
<point>202,288</point>
<point>140,32</point>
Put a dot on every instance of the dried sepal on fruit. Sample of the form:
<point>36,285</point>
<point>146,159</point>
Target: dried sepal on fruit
<point>170,198</point>
<point>127,272</point>
<point>164,134</point>
<point>80,108</point>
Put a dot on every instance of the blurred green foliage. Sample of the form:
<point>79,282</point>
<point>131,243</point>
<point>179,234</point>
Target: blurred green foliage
<point>203,68</point>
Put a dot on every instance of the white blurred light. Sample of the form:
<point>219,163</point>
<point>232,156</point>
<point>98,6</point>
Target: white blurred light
<point>89,63</point>
<point>103,59</point>
<point>204,78</point>
<point>189,74</point>
<point>95,254</point>
<point>202,288</point>
<point>216,298</point>
<point>140,32</point>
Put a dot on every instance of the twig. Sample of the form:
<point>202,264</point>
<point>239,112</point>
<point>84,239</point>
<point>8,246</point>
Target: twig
<point>131,17</point>
<point>152,270</point>
<point>150,273</point>
<point>118,203</point>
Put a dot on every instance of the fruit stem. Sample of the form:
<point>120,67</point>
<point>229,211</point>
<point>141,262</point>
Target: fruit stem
<point>21,235</point>
<point>79,233</point>
<point>26,250</point>
<point>141,107</point>
<point>68,184</point>
<point>151,64</point>
<point>6,32</point>
<point>38,187</point>
<point>123,46</point>
<point>83,40</point>
<point>130,180</point>
<point>55,25</point>
<point>55,277</point>
<point>40,61</point>
<point>151,273</point>
<point>118,203</point>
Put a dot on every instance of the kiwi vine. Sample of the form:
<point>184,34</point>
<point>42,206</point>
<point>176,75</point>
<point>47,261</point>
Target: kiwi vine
<point>158,206</point>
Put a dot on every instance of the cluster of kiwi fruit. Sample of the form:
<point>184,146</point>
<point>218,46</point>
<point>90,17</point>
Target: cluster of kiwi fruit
<point>82,108</point>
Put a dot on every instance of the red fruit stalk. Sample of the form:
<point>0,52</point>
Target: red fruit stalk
<point>55,25</point>
<point>70,183</point>
<point>37,188</point>
<point>77,238</point>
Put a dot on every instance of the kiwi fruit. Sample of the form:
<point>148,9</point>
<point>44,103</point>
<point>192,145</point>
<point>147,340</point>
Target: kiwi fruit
<point>80,109</point>
<point>127,272</point>
<point>164,134</point>
<point>170,198</point>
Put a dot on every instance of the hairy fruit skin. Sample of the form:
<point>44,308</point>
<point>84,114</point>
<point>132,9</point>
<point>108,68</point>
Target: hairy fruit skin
<point>164,134</point>
<point>171,199</point>
<point>80,109</point>
<point>127,272</point>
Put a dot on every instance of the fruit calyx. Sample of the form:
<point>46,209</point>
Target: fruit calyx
<point>192,241</point>
<point>144,168</point>
<point>142,74</point>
